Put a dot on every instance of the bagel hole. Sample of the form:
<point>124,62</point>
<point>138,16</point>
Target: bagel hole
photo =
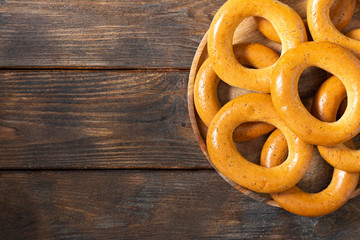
<point>227,93</point>
<point>247,31</point>
<point>318,176</point>
<point>251,150</point>
<point>309,82</point>
<point>341,109</point>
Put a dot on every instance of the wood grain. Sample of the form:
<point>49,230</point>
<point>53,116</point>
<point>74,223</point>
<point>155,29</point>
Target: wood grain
<point>96,119</point>
<point>102,34</point>
<point>132,204</point>
<point>105,34</point>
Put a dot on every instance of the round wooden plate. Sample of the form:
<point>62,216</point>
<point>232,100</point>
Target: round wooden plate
<point>319,173</point>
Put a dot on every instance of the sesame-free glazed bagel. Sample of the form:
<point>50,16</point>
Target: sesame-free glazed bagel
<point>255,107</point>
<point>287,23</point>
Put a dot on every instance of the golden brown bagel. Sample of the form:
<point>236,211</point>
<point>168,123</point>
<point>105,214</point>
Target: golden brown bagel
<point>255,107</point>
<point>286,21</point>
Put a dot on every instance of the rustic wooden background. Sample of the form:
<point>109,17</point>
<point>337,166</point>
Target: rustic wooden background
<point>95,138</point>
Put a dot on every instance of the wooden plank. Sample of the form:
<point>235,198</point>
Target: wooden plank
<point>110,34</point>
<point>151,205</point>
<point>106,34</point>
<point>96,119</point>
<point>73,119</point>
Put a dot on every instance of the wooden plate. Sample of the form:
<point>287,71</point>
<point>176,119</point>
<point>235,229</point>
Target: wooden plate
<point>319,173</point>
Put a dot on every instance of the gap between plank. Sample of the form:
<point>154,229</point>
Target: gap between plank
<point>91,69</point>
<point>111,169</point>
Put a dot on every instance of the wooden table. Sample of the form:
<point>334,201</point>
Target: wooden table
<point>95,137</point>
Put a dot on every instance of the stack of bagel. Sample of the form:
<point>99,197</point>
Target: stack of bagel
<point>275,107</point>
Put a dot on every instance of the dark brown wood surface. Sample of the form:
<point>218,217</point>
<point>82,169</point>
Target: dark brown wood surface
<point>103,34</point>
<point>95,138</point>
<point>138,204</point>
<point>96,119</point>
